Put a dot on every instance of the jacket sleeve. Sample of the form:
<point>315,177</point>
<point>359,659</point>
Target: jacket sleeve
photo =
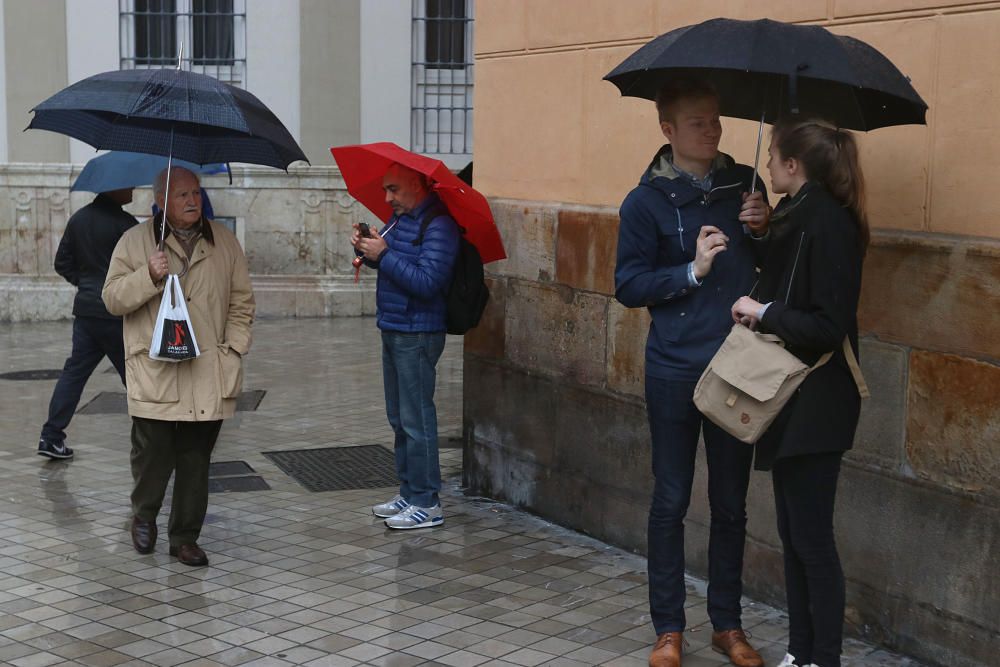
<point>242,306</point>
<point>65,263</point>
<point>430,272</point>
<point>831,262</point>
<point>128,286</point>
<point>639,281</point>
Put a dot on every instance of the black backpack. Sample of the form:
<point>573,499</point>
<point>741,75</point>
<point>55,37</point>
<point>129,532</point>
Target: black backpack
<point>467,293</point>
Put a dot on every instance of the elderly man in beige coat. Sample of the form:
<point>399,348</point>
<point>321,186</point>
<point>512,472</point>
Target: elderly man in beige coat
<point>177,408</point>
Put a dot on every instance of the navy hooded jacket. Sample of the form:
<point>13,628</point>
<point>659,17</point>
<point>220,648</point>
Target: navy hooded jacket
<point>413,279</point>
<point>660,221</point>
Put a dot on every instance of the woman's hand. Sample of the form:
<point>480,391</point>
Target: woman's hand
<point>745,312</point>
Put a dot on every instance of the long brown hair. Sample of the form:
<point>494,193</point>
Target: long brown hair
<point>830,157</point>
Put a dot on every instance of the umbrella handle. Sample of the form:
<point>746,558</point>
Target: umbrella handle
<point>756,157</point>
<point>166,192</point>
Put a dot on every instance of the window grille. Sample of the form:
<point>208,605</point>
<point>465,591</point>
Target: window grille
<point>442,82</point>
<point>213,33</point>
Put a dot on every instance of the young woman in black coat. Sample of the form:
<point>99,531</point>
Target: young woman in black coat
<point>808,291</point>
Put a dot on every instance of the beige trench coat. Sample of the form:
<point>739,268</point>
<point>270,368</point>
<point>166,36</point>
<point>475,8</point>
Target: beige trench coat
<point>221,304</point>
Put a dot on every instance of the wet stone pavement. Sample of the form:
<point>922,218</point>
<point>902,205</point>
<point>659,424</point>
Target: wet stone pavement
<point>298,577</point>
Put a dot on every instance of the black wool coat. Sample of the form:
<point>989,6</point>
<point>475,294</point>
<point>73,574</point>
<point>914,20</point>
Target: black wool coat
<point>812,278</point>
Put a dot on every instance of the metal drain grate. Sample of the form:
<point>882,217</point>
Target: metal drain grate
<point>236,484</point>
<point>229,468</point>
<point>115,403</point>
<point>339,468</point>
<point>39,374</point>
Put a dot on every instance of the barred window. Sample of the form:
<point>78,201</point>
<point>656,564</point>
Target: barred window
<point>442,82</point>
<point>213,34</point>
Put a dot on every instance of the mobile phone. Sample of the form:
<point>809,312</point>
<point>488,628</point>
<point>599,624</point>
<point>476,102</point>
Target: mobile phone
<point>364,230</point>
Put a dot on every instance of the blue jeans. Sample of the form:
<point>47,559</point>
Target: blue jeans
<point>674,424</point>
<point>409,373</point>
<point>93,339</point>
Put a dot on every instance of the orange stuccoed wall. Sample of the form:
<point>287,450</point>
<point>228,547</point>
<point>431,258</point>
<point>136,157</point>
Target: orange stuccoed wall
<point>554,411</point>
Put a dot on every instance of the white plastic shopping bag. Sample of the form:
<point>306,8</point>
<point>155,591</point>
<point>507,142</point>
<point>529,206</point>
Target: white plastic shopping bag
<point>173,335</point>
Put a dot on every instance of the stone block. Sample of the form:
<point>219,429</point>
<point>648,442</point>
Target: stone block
<point>553,330</point>
<point>515,157</point>
<point>672,15</point>
<point>571,22</point>
<point>845,8</point>
<point>953,427</point>
<point>627,331</point>
<point>933,292</point>
<point>501,26</point>
<point>882,428</point>
<point>957,204</point>
<point>899,201</point>
<point>586,242</point>
<point>489,338</point>
<point>529,236</point>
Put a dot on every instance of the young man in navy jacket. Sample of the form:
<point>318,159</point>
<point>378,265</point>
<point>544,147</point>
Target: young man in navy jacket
<point>687,250</point>
<point>414,256</point>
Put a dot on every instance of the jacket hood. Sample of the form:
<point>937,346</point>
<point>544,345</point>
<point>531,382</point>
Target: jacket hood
<point>662,166</point>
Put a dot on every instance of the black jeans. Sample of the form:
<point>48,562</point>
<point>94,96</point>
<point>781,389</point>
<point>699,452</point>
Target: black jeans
<point>93,339</point>
<point>805,488</point>
<point>674,424</point>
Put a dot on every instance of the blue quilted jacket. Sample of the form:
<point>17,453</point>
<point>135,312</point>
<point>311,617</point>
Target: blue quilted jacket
<point>412,279</point>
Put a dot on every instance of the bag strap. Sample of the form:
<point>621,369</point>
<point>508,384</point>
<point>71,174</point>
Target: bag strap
<point>852,363</point>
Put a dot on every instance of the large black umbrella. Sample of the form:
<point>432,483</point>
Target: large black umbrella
<point>169,112</point>
<point>765,69</point>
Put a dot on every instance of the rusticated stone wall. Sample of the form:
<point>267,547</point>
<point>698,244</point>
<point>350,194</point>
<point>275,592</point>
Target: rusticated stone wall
<point>294,227</point>
<point>555,422</point>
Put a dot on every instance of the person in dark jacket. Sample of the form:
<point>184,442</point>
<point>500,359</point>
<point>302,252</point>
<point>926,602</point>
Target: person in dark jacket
<point>809,289</point>
<point>685,251</point>
<point>414,255</point>
<point>82,259</point>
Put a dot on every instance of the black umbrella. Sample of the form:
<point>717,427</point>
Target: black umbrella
<point>765,69</point>
<point>169,112</point>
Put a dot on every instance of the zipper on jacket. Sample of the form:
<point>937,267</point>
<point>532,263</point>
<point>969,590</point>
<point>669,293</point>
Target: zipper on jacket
<point>680,229</point>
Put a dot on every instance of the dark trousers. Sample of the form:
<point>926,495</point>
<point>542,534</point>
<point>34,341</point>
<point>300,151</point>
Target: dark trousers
<point>162,448</point>
<point>93,339</point>
<point>805,488</point>
<point>674,423</point>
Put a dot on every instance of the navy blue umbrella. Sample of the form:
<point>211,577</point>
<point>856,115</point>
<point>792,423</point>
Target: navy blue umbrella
<point>169,112</point>
<point>121,169</point>
<point>766,69</point>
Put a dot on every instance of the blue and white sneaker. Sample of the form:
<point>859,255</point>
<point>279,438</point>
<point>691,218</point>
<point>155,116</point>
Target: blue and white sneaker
<point>416,517</point>
<point>390,508</point>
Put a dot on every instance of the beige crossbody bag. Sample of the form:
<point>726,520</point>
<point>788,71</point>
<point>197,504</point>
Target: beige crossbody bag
<point>752,377</point>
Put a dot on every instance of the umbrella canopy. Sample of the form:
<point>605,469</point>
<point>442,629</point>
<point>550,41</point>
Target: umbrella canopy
<point>120,169</point>
<point>169,111</point>
<point>767,68</point>
<point>363,167</point>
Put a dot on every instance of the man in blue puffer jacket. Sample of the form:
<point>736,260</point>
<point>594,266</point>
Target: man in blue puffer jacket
<point>685,248</point>
<point>414,255</point>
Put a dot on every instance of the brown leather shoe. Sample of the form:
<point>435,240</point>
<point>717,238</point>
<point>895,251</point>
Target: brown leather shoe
<point>143,535</point>
<point>667,652</point>
<point>190,554</point>
<point>733,643</point>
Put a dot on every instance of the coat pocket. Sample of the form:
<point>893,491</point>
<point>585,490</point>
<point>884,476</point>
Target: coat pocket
<point>231,372</point>
<point>148,380</point>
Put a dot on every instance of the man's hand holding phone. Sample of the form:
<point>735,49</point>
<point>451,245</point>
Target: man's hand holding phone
<point>367,241</point>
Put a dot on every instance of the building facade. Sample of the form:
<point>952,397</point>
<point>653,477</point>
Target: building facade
<point>334,71</point>
<point>554,415</point>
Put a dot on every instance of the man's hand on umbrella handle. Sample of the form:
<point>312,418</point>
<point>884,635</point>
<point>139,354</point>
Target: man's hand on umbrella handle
<point>711,241</point>
<point>158,266</point>
<point>754,213</point>
<point>371,247</point>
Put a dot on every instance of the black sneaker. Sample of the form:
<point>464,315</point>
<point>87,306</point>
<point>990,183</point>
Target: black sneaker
<point>53,450</point>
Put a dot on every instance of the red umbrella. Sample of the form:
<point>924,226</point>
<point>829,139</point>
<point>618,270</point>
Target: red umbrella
<point>364,165</point>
